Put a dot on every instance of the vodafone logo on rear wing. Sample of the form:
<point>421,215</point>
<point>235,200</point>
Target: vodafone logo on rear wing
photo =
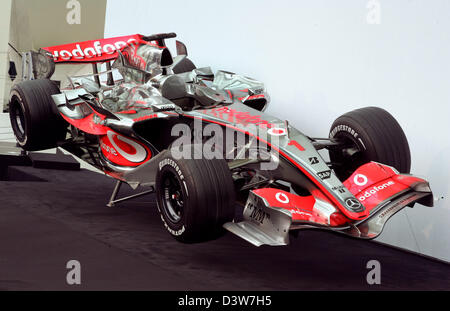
<point>90,51</point>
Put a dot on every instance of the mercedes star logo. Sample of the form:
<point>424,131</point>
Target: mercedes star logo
<point>352,203</point>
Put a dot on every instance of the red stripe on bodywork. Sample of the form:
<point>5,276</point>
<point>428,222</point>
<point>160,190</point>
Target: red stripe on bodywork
<point>229,93</point>
<point>87,125</point>
<point>251,97</point>
<point>296,144</point>
<point>128,112</point>
<point>145,117</point>
<point>302,208</point>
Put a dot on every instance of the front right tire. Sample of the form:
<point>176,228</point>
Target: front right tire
<point>368,134</point>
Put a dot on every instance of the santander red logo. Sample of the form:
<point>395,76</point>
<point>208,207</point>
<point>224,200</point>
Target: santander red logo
<point>239,117</point>
<point>90,51</point>
<point>277,131</point>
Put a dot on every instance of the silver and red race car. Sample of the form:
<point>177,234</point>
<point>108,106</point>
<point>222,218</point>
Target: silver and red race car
<point>202,142</point>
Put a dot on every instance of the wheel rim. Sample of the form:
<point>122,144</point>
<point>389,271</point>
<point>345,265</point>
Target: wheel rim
<point>173,197</point>
<point>18,120</point>
<point>348,157</point>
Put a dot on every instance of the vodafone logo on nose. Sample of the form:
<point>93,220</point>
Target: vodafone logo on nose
<point>360,180</point>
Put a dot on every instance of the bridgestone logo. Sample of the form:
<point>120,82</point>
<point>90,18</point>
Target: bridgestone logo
<point>173,164</point>
<point>173,232</point>
<point>343,128</point>
<point>374,190</point>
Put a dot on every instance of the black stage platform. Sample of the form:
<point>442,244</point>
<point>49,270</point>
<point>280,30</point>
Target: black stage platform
<point>48,217</point>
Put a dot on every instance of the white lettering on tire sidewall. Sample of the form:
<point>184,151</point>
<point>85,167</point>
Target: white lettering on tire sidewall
<point>25,136</point>
<point>171,231</point>
<point>347,129</point>
<point>343,128</point>
<point>174,165</point>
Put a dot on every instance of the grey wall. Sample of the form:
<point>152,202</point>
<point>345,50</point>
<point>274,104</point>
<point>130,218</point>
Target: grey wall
<point>320,59</point>
<point>31,24</point>
<point>5,81</point>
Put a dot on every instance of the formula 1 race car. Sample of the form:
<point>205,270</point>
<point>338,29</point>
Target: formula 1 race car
<point>202,142</point>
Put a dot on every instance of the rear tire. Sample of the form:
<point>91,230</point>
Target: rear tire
<point>35,121</point>
<point>375,136</point>
<point>195,197</point>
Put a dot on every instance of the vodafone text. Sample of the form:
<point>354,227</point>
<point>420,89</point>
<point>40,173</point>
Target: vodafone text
<point>374,190</point>
<point>91,51</point>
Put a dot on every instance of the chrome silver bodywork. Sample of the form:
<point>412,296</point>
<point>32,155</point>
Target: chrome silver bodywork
<point>151,93</point>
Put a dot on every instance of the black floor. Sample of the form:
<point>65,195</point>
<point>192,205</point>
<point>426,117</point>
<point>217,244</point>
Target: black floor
<point>44,224</point>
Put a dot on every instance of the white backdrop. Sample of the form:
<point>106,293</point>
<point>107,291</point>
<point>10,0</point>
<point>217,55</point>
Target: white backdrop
<point>320,59</point>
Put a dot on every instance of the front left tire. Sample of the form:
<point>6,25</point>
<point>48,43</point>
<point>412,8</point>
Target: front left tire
<point>195,197</point>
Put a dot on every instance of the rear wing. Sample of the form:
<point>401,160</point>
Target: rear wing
<point>91,51</point>
<point>38,65</point>
<point>41,65</point>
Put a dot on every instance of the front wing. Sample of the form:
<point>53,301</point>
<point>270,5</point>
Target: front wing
<point>270,214</point>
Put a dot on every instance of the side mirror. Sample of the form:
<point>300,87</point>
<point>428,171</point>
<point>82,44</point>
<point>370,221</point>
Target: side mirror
<point>181,48</point>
